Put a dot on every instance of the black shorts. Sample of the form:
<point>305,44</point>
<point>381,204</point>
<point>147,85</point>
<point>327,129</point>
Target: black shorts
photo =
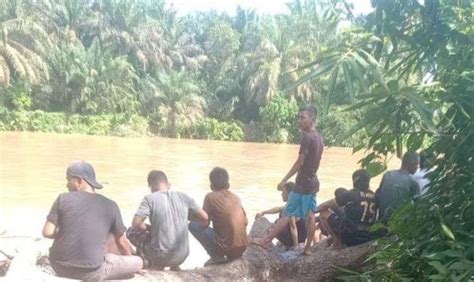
<point>336,220</point>
<point>285,236</point>
<point>355,238</point>
<point>348,233</point>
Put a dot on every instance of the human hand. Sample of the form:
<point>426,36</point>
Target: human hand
<point>281,186</point>
<point>258,215</point>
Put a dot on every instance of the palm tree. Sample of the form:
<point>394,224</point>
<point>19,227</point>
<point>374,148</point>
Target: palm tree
<point>178,101</point>
<point>148,33</point>
<point>90,81</point>
<point>22,42</point>
<point>284,44</point>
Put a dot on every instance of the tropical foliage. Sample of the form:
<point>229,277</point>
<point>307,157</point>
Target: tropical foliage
<point>399,78</point>
<point>178,72</point>
<point>420,96</point>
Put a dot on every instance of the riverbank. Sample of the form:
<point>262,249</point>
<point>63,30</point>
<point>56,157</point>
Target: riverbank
<point>135,125</point>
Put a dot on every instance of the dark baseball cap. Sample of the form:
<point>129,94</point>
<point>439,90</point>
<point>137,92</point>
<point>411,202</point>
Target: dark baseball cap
<point>85,171</point>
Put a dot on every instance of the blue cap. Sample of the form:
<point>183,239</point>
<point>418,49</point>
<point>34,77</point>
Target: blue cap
<point>85,171</point>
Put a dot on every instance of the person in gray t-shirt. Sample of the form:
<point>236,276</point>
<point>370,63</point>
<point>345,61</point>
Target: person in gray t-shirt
<point>398,186</point>
<point>80,222</point>
<point>165,242</point>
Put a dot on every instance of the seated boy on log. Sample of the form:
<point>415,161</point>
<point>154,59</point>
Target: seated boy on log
<point>288,237</point>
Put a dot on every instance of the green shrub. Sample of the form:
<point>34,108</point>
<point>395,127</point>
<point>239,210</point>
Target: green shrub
<point>278,121</point>
<point>117,125</point>
<point>212,129</point>
<point>131,126</point>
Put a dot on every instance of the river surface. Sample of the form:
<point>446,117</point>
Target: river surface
<point>33,166</point>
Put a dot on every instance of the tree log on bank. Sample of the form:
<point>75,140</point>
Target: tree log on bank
<point>256,264</point>
<point>275,264</point>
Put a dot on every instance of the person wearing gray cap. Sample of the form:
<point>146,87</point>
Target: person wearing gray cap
<point>80,222</point>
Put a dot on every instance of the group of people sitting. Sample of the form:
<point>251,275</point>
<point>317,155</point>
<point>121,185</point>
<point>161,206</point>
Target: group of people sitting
<point>81,220</point>
<point>347,219</point>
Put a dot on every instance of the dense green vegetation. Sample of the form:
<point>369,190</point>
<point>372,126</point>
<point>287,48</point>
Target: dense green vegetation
<point>423,98</point>
<point>203,75</point>
<point>398,78</point>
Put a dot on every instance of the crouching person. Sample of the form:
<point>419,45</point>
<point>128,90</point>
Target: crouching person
<point>80,222</point>
<point>227,240</point>
<point>349,217</point>
<point>164,243</point>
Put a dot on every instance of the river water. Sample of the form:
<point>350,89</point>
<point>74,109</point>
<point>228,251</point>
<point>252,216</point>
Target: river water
<point>33,165</point>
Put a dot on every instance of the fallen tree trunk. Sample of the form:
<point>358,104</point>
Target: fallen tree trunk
<point>275,264</point>
<point>255,264</point>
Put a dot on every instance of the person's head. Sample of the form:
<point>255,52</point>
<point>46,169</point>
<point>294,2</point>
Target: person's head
<point>339,192</point>
<point>287,188</point>
<point>361,180</point>
<point>425,160</point>
<point>219,179</point>
<point>80,176</point>
<point>307,117</point>
<point>157,181</point>
<point>410,162</point>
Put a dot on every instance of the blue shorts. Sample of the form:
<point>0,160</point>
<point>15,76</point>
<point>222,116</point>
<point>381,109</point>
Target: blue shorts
<point>300,204</point>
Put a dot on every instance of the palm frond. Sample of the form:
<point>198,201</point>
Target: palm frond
<point>4,71</point>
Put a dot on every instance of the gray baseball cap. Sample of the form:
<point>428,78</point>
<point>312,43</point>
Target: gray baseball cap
<point>84,170</point>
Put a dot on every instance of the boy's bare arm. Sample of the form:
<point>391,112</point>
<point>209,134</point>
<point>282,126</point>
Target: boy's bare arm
<point>330,204</point>
<point>294,169</point>
<point>270,211</point>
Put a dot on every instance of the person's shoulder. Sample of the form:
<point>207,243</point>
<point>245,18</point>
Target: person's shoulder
<point>392,173</point>
<point>352,193</point>
<point>178,193</point>
<point>106,200</point>
<point>211,196</point>
<point>316,133</point>
<point>65,194</point>
<point>316,137</point>
<point>233,195</point>
<point>181,195</point>
<point>366,194</point>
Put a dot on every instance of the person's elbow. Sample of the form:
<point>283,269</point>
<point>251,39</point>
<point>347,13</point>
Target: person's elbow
<point>203,218</point>
<point>204,221</point>
<point>49,230</point>
<point>137,222</point>
<point>47,234</point>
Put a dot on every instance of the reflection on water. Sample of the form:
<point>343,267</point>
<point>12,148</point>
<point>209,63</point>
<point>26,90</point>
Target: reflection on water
<point>32,171</point>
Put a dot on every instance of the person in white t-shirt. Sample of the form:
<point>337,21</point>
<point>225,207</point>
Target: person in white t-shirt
<point>421,176</point>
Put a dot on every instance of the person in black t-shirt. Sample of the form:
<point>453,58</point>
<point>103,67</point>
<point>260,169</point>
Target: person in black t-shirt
<point>349,217</point>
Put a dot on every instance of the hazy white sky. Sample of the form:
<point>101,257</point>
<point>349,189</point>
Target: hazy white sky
<point>262,6</point>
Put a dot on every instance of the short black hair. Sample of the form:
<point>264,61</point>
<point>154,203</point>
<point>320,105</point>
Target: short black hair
<point>219,178</point>
<point>156,177</point>
<point>289,186</point>
<point>361,180</point>
<point>410,158</point>
<point>339,192</point>
<point>310,109</point>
